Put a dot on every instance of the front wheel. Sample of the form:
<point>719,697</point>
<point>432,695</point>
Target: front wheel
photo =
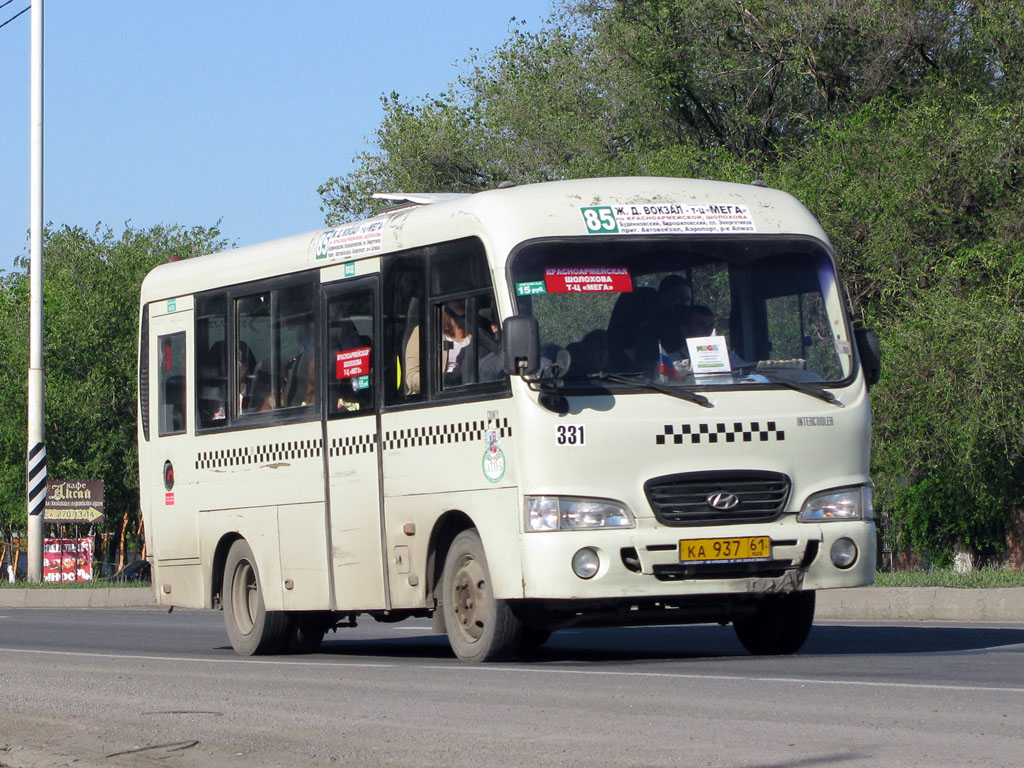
<point>480,627</point>
<point>779,626</point>
<point>252,629</point>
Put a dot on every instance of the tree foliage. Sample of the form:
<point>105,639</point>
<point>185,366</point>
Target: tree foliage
<point>90,296</point>
<point>898,123</point>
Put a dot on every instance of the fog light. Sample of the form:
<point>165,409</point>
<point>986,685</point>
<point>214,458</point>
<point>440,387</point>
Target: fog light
<point>585,563</point>
<point>844,553</point>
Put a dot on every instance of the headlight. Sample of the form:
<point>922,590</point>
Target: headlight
<point>564,513</point>
<point>839,504</point>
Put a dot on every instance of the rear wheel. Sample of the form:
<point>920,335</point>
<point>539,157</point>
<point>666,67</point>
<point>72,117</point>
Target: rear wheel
<point>252,629</point>
<point>779,626</point>
<point>480,627</point>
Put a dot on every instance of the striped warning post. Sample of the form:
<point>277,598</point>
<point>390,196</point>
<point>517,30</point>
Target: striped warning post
<point>36,478</point>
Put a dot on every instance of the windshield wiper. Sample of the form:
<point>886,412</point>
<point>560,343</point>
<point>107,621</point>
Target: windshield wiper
<point>814,390</point>
<point>635,380</point>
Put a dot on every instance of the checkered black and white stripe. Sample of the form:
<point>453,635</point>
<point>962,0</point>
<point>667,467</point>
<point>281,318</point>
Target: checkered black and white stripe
<point>268,453</point>
<point>350,445</point>
<point>721,432</point>
<point>442,434</point>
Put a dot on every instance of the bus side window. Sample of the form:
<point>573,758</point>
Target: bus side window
<point>350,337</point>
<point>274,360</point>
<point>293,331</point>
<point>171,384</point>
<point>466,325</point>
<point>404,304</point>
<point>211,361</point>
<point>469,351</point>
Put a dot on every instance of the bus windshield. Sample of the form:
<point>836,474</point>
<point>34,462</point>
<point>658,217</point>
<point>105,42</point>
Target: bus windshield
<point>693,311</point>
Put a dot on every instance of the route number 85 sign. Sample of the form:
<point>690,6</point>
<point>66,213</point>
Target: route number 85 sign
<point>600,219</point>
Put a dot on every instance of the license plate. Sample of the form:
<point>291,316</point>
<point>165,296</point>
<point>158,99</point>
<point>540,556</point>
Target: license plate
<point>738,550</point>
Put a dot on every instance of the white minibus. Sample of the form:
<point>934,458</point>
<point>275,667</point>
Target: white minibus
<point>595,402</point>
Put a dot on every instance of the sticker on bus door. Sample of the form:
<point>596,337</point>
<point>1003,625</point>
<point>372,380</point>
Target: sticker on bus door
<point>494,458</point>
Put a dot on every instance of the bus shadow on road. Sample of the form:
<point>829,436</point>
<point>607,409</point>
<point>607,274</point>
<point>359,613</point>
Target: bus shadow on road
<point>695,642</point>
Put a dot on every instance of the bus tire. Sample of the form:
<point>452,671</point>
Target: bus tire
<point>479,627</point>
<point>779,626</point>
<point>252,629</point>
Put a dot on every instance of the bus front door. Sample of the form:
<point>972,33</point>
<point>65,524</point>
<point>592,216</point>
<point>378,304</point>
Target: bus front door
<point>352,445</point>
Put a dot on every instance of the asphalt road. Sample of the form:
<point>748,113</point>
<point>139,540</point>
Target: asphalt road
<point>143,687</point>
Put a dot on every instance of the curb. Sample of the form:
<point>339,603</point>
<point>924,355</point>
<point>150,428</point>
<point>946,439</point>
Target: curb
<point>1004,605</point>
<point>104,597</point>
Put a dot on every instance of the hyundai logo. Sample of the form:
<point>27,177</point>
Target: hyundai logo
<point>723,500</point>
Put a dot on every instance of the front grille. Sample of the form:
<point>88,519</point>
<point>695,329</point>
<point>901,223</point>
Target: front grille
<point>683,499</point>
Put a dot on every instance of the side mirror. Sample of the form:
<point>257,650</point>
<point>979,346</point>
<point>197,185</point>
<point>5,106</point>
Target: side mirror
<point>870,353</point>
<point>520,345</point>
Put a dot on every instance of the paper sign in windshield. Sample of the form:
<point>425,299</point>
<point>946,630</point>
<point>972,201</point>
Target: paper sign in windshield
<point>588,280</point>
<point>352,362</point>
<point>667,217</point>
<point>708,354</point>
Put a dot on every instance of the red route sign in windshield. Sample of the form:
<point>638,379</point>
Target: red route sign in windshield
<point>588,280</point>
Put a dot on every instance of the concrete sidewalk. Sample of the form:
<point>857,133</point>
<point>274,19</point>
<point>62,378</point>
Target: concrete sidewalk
<point>868,603</point>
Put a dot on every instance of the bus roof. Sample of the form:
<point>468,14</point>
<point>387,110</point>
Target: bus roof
<point>502,218</point>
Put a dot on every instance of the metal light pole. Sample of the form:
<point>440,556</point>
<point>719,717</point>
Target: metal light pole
<point>36,464</point>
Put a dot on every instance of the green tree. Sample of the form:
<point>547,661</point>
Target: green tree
<point>91,295</point>
<point>898,123</point>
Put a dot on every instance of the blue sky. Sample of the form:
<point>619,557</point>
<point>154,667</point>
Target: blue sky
<point>190,112</point>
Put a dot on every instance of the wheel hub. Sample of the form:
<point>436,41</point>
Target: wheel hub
<point>470,598</point>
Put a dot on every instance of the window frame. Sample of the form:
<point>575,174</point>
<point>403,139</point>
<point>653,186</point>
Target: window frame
<point>162,381</point>
<point>278,416</point>
<point>432,391</point>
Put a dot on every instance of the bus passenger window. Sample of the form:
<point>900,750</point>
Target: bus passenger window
<point>274,361</point>
<point>256,391</point>
<point>211,361</point>
<point>350,346</point>
<point>404,304</point>
<point>171,383</point>
<point>469,343</point>
<point>294,330</point>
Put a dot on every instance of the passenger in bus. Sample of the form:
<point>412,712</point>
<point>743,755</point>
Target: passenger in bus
<point>680,324</point>
<point>489,365</point>
<point>255,391</point>
<point>411,353</point>
<point>455,339</point>
<point>699,321</point>
<point>589,355</point>
<point>642,316</point>
<point>674,291</point>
